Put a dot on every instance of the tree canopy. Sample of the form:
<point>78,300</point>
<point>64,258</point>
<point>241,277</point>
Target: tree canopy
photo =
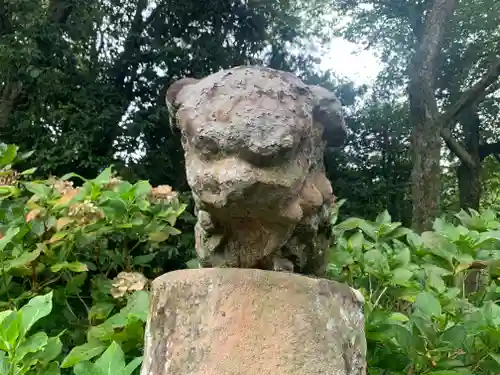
<point>83,82</point>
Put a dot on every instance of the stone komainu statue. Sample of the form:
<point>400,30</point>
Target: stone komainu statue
<point>254,139</point>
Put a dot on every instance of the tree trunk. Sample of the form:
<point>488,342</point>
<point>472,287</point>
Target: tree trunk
<point>469,186</point>
<point>469,177</point>
<point>10,94</point>
<point>424,116</point>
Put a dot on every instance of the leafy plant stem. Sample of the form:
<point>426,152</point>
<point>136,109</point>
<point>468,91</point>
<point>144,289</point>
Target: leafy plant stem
<point>87,309</point>
<point>370,285</point>
<point>70,309</point>
<point>379,297</point>
<point>478,363</point>
<point>34,284</point>
<point>4,277</point>
<point>48,282</point>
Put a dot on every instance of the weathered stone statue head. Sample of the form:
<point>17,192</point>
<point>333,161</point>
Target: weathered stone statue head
<point>254,139</point>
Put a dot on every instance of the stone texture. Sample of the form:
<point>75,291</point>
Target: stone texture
<point>254,139</point>
<point>217,321</point>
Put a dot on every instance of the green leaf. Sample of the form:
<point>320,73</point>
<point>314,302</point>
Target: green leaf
<point>473,221</point>
<point>112,361</point>
<point>163,235</point>
<point>390,231</point>
<point>453,364</point>
<point>83,353</point>
<point>101,310</point>
<point>8,191</point>
<point>58,236</point>
<point>172,231</point>
<point>8,237</point>
<point>37,308</point>
<point>398,317</point>
<point>439,246</point>
<point>158,236</point>
<point>32,344</point>
<point>491,311</point>
<point>58,266</point>
<point>8,155</point>
<point>73,266</point>
<point>23,260</point>
<point>375,261</point>
<point>67,176</point>
<point>449,230</point>
<point>113,205</point>
<point>104,177</point>
<point>51,369</point>
<point>24,155</point>
<point>5,314</point>
<point>404,338</point>
<point>38,189</point>
<point>433,277</point>
<point>414,240</point>
<point>4,363</point>
<point>137,307</point>
<point>193,264</point>
<point>383,218</point>
<point>143,260</point>
<point>142,188</point>
<point>35,72</point>
<point>349,224</point>
<point>401,276</point>
<point>9,331</point>
<point>356,242</point>
<point>75,283</point>
<point>394,233</point>
<point>52,349</point>
<point>130,368</point>
<point>28,172</point>
<point>426,327</point>
<point>454,336</point>
<point>428,304</point>
<point>402,258</point>
<point>495,357</point>
<point>86,368</point>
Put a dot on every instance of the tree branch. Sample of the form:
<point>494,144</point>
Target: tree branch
<point>471,95</point>
<point>492,89</point>
<point>486,85</point>
<point>457,148</point>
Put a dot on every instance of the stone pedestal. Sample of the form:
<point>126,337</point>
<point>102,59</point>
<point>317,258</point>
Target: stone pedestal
<point>222,321</point>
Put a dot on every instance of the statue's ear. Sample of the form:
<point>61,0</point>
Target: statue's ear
<point>172,96</point>
<point>173,99</point>
<point>328,112</point>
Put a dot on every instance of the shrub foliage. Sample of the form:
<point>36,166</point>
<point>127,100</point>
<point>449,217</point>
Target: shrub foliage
<point>76,257</point>
<point>431,299</point>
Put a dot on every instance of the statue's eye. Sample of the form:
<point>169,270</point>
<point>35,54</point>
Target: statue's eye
<point>206,145</point>
<point>320,114</point>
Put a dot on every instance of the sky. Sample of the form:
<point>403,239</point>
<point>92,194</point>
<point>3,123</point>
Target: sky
<point>350,60</point>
